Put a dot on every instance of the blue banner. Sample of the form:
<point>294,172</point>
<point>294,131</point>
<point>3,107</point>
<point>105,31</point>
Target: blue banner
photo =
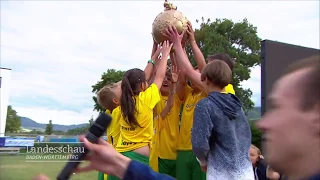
<point>16,142</point>
<point>2,141</point>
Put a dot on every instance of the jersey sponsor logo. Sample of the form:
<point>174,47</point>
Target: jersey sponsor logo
<point>127,143</point>
<point>127,128</point>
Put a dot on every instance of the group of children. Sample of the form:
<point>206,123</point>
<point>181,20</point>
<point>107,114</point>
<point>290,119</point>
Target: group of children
<point>152,111</point>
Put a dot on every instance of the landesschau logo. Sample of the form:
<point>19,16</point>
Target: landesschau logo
<point>55,150</point>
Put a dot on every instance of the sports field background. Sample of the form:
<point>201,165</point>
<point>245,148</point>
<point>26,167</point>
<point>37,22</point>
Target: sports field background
<point>14,167</point>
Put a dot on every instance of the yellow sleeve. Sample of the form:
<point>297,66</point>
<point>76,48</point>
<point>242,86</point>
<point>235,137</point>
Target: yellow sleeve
<point>108,112</point>
<point>229,89</point>
<point>150,97</point>
<point>109,137</point>
<point>110,140</point>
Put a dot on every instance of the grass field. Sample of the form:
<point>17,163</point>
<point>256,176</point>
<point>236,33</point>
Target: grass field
<point>15,167</point>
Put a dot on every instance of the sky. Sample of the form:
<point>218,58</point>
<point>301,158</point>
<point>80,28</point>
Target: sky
<point>58,49</point>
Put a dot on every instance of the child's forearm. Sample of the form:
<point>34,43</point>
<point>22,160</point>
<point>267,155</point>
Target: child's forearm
<point>172,94</point>
<point>170,102</point>
<point>149,69</point>
<point>198,56</point>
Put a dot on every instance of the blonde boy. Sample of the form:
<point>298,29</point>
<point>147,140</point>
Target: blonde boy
<point>109,98</point>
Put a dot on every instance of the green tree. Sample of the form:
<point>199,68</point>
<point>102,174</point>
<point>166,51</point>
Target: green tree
<point>86,128</point>
<point>256,134</point>
<point>239,40</point>
<point>13,122</point>
<point>91,121</point>
<point>111,76</point>
<point>49,128</point>
<point>77,131</point>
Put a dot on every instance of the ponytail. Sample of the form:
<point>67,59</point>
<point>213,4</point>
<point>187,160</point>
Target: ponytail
<point>128,103</point>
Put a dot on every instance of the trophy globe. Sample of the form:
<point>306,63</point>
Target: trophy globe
<point>170,16</point>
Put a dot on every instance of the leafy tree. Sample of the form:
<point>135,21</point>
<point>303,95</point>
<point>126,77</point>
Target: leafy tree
<point>13,121</point>
<point>49,128</point>
<point>111,76</point>
<point>76,131</point>
<point>239,40</point>
<point>91,121</point>
<point>256,134</point>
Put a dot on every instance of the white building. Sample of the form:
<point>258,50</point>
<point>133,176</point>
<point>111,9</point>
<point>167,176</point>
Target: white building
<point>5,82</point>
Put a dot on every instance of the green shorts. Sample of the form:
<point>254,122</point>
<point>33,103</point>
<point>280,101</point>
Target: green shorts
<point>100,176</point>
<point>167,166</point>
<point>134,156</point>
<point>188,168</point>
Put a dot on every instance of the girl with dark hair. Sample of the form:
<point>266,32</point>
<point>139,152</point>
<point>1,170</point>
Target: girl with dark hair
<point>137,103</point>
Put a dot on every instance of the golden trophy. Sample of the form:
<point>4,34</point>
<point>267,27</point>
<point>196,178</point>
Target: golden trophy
<point>170,16</point>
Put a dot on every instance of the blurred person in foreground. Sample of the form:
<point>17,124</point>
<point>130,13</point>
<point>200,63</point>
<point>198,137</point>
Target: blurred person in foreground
<point>292,124</point>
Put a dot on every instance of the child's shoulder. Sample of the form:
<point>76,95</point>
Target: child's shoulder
<point>205,102</point>
<point>117,110</point>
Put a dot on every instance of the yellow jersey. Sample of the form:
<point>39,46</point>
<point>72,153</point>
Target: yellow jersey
<point>114,130</point>
<point>229,89</point>
<point>169,134</point>
<point>109,138</point>
<point>134,138</point>
<point>154,153</point>
<point>191,99</point>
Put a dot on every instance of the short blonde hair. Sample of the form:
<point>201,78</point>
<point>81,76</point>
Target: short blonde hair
<point>256,148</point>
<point>218,73</point>
<point>106,95</point>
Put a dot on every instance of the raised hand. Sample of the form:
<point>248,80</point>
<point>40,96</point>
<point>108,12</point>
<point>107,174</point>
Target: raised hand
<point>190,32</point>
<point>157,61</point>
<point>166,48</point>
<point>174,74</point>
<point>172,34</point>
<point>157,53</point>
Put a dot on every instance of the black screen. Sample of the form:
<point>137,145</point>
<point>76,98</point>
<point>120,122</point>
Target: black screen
<point>275,58</point>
